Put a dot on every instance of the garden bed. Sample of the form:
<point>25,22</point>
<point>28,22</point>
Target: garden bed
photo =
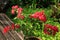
<point>38,19</point>
<point>34,27</point>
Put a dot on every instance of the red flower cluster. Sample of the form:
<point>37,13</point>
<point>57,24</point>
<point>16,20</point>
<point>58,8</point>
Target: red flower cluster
<point>6,29</point>
<point>18,11</point>
<point>50,29</point>
<point>13,26</point>
<point>39,15</point>
<point>14,9</point>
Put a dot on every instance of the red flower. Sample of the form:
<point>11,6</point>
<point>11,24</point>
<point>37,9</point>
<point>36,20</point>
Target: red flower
<point>19,13</point>
<point>33,16</point>
<point>17,26</point>
<point>20,16</point>
<point>12,11</point>
<point>19,10</point>
<point>6,29</point>
<point>39,15</point>
<point>46,32</point>
<point>13,26</point>
<point>42,18</point>
<point>50,29</point>
<point>15,7</point>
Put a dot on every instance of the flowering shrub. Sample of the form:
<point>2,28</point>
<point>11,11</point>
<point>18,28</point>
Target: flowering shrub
<point>18,11</point>
<point>8,28</point>
<point>39,15</point>
<point>49,29</point>
<point>36,22</point>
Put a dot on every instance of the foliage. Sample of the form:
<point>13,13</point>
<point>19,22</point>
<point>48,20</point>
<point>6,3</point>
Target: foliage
<point>31,26</point>
<point>34,27</point>
<point>33,3</point>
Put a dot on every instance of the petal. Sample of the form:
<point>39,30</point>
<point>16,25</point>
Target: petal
<point>16,6</point>
<point>17,26</point>
<point>12,11</point>
<point>4,30</point>
<point>13,26</point>
<point>42,18</point>
<point>19,10</point>
<point>18,15</point>
<point>13,7</point>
